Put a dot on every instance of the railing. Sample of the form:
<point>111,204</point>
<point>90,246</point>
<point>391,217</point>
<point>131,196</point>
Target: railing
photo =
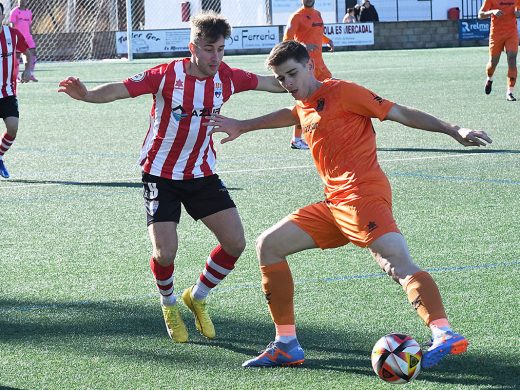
<point>470,9</point>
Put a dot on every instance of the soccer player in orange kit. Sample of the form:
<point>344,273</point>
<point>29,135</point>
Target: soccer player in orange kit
<point>306,26</point>
<point>336,119</point>
<point>503,35</point>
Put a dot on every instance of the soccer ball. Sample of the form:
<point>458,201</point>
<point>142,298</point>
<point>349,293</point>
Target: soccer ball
<point>396,358</point>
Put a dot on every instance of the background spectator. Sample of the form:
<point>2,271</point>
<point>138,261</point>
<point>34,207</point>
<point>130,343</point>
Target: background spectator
<point>368,13</point>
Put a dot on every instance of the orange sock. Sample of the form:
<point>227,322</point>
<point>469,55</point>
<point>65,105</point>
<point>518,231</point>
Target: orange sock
<point>424,296</point>
<point>278,287</point>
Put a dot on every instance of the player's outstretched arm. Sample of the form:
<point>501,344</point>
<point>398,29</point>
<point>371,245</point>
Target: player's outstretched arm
<point>235,128</point>
<point>269,84</point>
<point>412,117</point>
<point>105,93</point>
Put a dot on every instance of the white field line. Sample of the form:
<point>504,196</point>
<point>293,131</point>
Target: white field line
<point>248,170</point>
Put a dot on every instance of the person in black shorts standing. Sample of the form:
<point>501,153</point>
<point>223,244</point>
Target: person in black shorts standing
<point>178,161</point>
<point>11,41</point>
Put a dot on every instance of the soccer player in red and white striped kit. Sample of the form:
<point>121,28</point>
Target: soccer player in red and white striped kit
<point>178,160</point>
<point>11,41</point>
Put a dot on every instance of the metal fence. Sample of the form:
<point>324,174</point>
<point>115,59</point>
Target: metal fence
<point>470,8</point>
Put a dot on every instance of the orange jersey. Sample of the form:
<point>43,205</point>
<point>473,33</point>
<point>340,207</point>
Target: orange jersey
<point>306,26</point>
<point>505,24</point>
<point>337,126</point>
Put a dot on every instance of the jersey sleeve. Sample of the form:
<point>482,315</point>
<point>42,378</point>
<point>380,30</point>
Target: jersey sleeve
<point>362,101</point>
<point>146,82</point>
<point>243,80</point>
<point>21,43</point>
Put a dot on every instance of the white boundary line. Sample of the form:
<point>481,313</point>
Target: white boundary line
<point>249,170</point>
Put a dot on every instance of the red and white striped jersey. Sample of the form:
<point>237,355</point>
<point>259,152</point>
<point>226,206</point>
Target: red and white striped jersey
<point>177,146</point>
<point>11,41</point>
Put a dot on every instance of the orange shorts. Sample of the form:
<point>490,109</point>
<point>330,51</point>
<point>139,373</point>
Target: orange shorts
<point>497,44</point>
<point>361,222</point>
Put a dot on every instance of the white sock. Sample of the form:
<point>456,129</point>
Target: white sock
<point>170,300</point>
<point>490,78</point>
<point>200,291</point>
<point>510,90</point>
<point>438,331</point>
<point>285,339</point>
<point>296,139</point>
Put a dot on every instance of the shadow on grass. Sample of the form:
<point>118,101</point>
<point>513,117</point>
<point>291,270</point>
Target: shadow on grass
<point>456,151</point>
<point>137,331</point>
<point>89,184</point>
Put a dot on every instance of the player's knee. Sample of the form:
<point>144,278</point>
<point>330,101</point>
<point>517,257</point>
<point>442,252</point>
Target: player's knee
<point>235,247</point>
<point>264,246</point>
<point>164,256</point>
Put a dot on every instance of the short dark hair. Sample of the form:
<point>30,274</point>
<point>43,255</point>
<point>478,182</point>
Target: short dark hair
<point>209,25</point>
<point>285,51</point>
<point>2,6</point>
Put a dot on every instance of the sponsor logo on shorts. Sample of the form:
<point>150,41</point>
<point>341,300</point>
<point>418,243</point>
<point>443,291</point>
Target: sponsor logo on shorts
<point>151,206</point>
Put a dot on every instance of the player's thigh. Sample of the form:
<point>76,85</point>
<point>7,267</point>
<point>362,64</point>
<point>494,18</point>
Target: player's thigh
<point>511,46</point>
<point>512,50</point>
<point>364,220</point>
<point>318,222</point>
<point>163,236</point>
<point>10,114</point>
<point>206,196</point>
<point>11,125</point>
<point>392,254</point>
<point>496,47</point>
<point>281,240</point>
<point>227,227</point>
<point>161,199</point>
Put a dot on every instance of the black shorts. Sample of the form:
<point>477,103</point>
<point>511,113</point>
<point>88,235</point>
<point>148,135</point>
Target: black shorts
<point>201,197</point>
<point>9,107</point>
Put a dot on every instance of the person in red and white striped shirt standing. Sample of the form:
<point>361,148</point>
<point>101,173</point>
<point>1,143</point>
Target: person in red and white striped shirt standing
<point>11,41</point>
<point>178,160</point>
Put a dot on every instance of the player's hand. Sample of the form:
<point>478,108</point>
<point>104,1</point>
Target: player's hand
<point>497,12</point>
<point>331,46</point>
<point>74,88</point>
<point>468,137</point>
<point>222,124</point>
<point>26,76</point>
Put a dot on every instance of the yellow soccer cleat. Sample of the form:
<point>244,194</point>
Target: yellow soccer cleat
<point>202,321</point>
<point>174,324</point>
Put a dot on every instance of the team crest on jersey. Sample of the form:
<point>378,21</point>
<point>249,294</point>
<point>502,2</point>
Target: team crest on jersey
<point>137,77</point>
<point>218,90</point>
<point>179,84</point>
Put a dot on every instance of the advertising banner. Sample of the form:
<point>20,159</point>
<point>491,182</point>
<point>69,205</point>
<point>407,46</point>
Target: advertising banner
<point>164,41</point>
<point>350,34</point>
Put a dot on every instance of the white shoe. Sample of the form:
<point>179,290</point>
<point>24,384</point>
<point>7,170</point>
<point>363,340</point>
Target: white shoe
<point>299,144</point>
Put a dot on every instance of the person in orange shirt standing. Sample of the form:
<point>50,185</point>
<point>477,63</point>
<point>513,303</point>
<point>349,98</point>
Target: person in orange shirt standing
<point>336,120</point>
<point>306,27</point>
<point>503,35</point>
